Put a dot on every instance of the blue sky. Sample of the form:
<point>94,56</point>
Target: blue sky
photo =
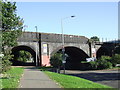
<point>92,18</point>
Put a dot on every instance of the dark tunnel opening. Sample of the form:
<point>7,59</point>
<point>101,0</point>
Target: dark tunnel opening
<point>15,52</point>
<point>102,51</point>
<point>117,50</point>
<point>75,56</point>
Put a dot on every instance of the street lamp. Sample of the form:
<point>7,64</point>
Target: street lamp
<point>36,45</point>
<point>63,48</point>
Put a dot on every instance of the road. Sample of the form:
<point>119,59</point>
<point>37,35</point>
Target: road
<point>106,77</point>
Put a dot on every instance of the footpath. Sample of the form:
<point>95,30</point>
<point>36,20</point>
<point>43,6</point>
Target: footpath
<point>34,78</point>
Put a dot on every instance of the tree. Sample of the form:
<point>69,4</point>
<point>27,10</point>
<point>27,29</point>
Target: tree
<point>11,28</point>
<point>94,38</point>
<point>56,61</point>
<point>24,56</point>
<point>115,59</point>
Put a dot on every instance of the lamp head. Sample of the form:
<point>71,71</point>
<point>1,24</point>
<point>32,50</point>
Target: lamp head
<point>72,16</point>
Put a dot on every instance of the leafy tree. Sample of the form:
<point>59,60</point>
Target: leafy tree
<point>24,56</point>
<point>115,59</point>
<point>56,61</point>
<point>11,28</point>
<point>94,38</point>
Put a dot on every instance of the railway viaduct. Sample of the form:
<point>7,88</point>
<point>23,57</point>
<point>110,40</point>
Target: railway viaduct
<point>43,45</point>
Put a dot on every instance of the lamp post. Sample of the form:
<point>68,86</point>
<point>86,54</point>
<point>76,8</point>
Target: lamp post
<point>63,47</point>
<point>36,45</point>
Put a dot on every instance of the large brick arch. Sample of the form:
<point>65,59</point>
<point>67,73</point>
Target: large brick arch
<point>55,49</point>
<point>76,55</point>
<point>16,49</point>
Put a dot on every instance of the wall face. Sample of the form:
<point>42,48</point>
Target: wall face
<point>51,43</point>
<point>33,45</point>
<point>45,44</point>
<point>56,38</point>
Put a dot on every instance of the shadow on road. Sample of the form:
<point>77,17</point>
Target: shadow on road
<point>98,76</point>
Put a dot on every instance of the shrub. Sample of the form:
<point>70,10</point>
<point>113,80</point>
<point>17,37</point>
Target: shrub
<point>93,65</point>
<point>102,63</point>
<point>115,59</point>
<point>56,60</point>
<point>106,58</point>
<point>6,64</point>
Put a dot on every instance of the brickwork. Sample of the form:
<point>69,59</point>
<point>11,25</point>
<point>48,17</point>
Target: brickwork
<point>46,44</point>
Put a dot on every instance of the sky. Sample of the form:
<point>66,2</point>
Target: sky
<point>91,18</point>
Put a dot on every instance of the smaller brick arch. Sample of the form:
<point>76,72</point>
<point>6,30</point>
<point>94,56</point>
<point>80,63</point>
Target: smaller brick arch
<point>102,51</point>
<point>15,51</point>
<point>117,49</point>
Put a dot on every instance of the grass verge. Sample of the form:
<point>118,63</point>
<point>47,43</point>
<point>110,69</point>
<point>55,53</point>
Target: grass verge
<point>10,79</point>
<point>67,81</point>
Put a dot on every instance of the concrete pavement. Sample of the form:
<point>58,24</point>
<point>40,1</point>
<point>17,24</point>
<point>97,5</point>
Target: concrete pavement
<point>34,78</point>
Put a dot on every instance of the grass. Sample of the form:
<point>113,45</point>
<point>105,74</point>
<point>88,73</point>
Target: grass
<point>67,81</point>
<point>116,67</point>
<point>11,78</point>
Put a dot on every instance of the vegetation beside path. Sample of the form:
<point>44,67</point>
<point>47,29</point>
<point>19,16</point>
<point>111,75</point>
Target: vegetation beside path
<point>66,81</point>
<point>10,79</point>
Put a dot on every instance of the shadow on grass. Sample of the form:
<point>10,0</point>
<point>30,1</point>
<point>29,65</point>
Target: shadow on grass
<point>6,77</point>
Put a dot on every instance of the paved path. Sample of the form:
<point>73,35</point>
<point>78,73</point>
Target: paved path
<point>106,77</point>
<point>34,78</point>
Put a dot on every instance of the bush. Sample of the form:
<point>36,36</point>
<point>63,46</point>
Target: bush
<point>93,65</point>
<point>106,58</point>
<point>102,63</point>
<point>6,64</point>
<point>56,60</point>
<point>115,59</point>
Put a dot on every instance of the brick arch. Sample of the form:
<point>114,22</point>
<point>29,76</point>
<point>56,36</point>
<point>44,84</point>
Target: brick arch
<point>76,55</point>
<point>102,51</point>
<point>16,49</point>
<point>60,47</point>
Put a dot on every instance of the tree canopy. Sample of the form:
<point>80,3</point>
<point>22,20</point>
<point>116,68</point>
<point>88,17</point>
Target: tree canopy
<point>11,27</point>
<point>95,38</point>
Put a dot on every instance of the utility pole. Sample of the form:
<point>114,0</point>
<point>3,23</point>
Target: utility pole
<point>36,46</point>
<point>63,42</point>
